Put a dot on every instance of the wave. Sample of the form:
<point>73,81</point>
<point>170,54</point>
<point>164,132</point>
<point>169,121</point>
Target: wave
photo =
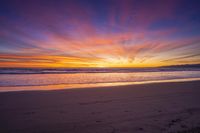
<point>89,70</point>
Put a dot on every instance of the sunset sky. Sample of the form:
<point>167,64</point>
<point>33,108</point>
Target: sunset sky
<point>103,33</point>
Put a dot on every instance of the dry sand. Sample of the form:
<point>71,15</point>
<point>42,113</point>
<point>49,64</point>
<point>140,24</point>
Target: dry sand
<point>148,108</point>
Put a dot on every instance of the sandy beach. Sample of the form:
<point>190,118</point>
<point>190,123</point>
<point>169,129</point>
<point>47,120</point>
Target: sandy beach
<point>147,108</point>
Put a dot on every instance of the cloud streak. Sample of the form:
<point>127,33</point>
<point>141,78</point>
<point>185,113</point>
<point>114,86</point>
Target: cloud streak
<point>98,33</point>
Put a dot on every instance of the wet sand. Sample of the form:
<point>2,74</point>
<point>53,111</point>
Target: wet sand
<point>147,108</point>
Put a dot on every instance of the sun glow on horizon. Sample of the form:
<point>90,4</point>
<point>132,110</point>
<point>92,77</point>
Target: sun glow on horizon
<point>99,34</point>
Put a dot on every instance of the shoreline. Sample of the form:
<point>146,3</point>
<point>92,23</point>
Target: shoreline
<point>155,107</point>
<point>85,86</point>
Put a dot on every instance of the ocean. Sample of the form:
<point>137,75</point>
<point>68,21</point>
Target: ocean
<point>52,79</point>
